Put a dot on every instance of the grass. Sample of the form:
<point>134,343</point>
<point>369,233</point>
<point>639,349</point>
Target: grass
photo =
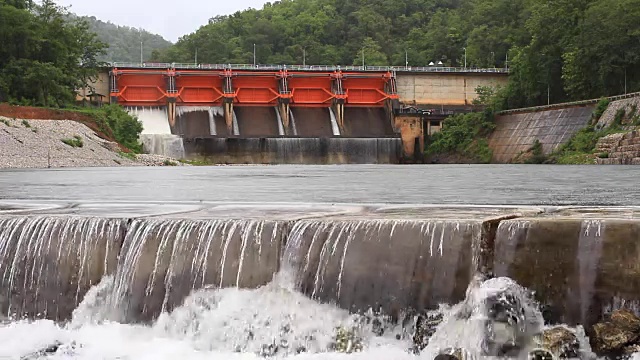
<point>5,122</point>
<point>196,162</point>
<point>130,156</point>
<point>168,162</point>
<point>26,124</point>
<point>76,142</point>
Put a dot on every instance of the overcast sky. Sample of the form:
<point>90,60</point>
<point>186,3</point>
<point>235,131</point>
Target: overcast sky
<point>169,18</point>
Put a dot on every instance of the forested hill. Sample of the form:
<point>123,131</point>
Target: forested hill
<point>575,49</point>
<point>124,42</point>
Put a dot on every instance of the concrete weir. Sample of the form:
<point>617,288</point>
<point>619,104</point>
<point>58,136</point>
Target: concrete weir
<point>581,262</point>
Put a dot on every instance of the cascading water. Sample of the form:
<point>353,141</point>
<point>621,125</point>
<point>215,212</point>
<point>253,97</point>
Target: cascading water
<point>226,288</point>
<point>334,123</point>
<point>340,261</point>
<point>280,124</point>
<point>212,112</point>
<point>38,256</point>
<point>155,120</point>
<point>156,134</point>
<point>165,145</point>
<point>171,258</point>
<point>293,123</point>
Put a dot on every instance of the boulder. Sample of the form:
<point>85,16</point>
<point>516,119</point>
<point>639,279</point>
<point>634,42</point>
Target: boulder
<point>560,342</point>
<point>426,326</point>
<point>618,335</point>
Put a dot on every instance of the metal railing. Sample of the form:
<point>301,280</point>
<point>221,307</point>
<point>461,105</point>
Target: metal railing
<point>427,69</point>
<point>567,104</point>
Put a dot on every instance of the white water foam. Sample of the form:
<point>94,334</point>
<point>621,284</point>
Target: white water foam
<point>334,123</point>
<point>155,120</point>
<point>212,324</point>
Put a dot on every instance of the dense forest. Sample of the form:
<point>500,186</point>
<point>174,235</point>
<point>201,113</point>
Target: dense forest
<point>124,42</point>
<point>557,50</point>
<point>44,57</point>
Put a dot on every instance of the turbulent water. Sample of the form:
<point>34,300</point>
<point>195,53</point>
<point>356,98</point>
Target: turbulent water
<point>271,321</point>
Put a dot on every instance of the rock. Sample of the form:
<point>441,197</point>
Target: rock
<point>614,336</point>
<point>541,354</point>
<point>347,341</point>
<point>560,342</point>
<point>426,325</point>
<point>626,319</point>
<point>49,350</point>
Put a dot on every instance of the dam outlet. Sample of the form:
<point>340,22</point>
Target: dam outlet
<point>265,116</point>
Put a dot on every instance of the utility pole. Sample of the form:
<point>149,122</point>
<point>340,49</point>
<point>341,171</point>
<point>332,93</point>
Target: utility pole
<point>548,93</point>
<point>363,57</point>
<point>304,56</point>
<point>196,58</point>
<point>406,59</point>
<point>465,57</point>
<point>141,56</point>
<point>254,55</point>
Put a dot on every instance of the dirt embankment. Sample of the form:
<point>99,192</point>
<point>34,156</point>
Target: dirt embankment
<point>42,138</point>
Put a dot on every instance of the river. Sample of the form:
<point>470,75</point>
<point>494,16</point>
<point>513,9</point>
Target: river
<point>431,184</point>
<point>275,320</point>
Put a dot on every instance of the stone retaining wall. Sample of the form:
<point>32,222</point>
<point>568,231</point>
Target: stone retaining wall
<point>621,149</point>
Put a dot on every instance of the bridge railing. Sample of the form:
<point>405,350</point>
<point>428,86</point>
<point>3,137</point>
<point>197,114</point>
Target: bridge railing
<point>426,69</point>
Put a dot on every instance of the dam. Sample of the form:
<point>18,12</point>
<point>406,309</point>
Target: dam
<point>273,114</point>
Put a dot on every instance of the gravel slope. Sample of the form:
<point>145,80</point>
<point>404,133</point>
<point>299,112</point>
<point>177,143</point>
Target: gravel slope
<point>38,144</point>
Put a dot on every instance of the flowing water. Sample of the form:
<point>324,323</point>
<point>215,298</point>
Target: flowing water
<point>195,280</point>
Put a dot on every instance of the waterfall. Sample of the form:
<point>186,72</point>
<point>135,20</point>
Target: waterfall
<point>236,129</point>
<point>40,255</point>
<point>334,123</point>
<point>381,263</point>
<point>293,122</point>
<point>155,120</point>
<point>280,125</point>
<point>164,260</point>
<point>212,111</point>
<point>165,145</point>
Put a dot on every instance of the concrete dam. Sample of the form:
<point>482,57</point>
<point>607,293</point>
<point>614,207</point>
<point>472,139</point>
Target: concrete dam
<point>291,114</point>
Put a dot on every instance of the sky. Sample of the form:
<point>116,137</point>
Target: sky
<point>169,18</point>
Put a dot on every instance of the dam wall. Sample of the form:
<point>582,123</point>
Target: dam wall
<point>445,89</point>
<point>581,262</point>
<point>320,151</point>
<point>517,132</point>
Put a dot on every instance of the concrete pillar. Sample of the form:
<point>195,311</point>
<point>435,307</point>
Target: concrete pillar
<point>228,115</point>
<point>284,115</point>
<point>339,112</point>
<point>171,112</point>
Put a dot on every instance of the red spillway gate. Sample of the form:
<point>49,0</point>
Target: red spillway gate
<point>251,87</point>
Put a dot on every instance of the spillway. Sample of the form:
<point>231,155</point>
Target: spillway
<point>212,273</point>
<point>323,151</point>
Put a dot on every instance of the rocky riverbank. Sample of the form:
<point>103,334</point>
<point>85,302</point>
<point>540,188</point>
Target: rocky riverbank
<point>63,143</point>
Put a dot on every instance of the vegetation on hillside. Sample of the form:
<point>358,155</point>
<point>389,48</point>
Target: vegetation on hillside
<point>116,122</point>
<point>46,55</point>
<point>124,42</point>
<point>464,137</point>
<point>43,57</point>
<point>566,50</point>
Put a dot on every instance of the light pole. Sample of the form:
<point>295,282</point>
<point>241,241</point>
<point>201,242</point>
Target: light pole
<point>196,58</point>
<point>304,56</point>
<point>254,54</point>
<point>363,57</point>
<point>406,59</point>
<point>465,57</point>
<point>141,56</point>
